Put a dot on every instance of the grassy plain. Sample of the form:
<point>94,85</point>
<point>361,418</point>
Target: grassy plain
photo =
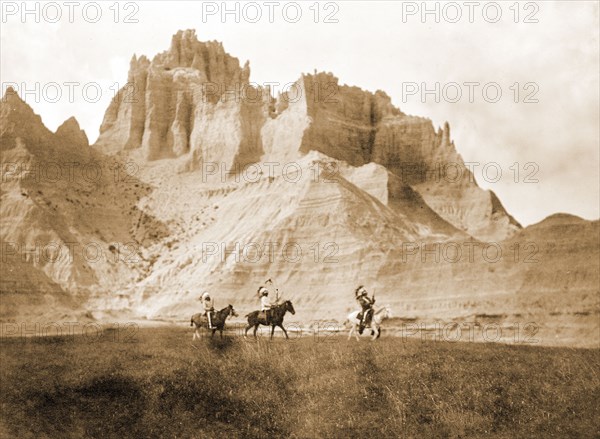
<point>156,383</point>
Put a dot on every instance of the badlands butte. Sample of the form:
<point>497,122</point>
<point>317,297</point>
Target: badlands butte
<point>201,180</point>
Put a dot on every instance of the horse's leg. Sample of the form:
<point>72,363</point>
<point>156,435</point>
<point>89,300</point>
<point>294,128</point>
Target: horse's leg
<point>213,332</point>
<point>272,331</point>
<point>351,331</point>
<point>284,331</point>
<point>356,333</point>
<point>255,329</point>
<point>378,332</point>
<point>374,333</point>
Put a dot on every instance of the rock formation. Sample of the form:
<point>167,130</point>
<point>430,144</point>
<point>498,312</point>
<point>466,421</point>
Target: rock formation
<point>189,100</point>
<point>209,182</point>
<point>195,100</point>
<point>65,215</point>
<point>71,134</point>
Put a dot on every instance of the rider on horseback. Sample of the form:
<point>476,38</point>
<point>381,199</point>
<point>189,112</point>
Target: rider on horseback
<point>208,304</point>
<point>269,285</point>
<point>265,303</point>
<point>366,305</point>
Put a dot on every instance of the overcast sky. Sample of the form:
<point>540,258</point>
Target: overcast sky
<point>374,45</point>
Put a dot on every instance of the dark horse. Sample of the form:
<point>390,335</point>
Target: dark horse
<point>277,313</point>
<point>217,318</point>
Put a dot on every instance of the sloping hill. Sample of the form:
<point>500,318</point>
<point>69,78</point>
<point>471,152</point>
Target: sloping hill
<point>68,215</point>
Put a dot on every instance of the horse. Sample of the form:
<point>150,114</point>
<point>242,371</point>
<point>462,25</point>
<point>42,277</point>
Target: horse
<point>277,314</point>
<point>218,320</point>
<point>378,316</point>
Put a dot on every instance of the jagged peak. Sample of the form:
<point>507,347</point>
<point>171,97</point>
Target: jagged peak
<point>381,102</point>
<point>18,114</point>
<point>12,98</point>
<point>187,34</point>
<point>207,57</point>
<point>9,92</point>
<point>19,119</point>
<point>72,132</point>
<point>135,59</point>
<point>187,50</point>
<point>69,123</point>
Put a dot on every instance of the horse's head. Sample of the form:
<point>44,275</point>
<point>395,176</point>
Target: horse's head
<point>387,312</point>
<point>232,311</point>
<point>289,307</point>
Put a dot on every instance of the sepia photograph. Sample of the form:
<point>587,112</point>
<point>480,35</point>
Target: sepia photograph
<point>299,219</point>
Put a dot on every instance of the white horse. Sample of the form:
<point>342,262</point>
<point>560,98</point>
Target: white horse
<point>378,316</point>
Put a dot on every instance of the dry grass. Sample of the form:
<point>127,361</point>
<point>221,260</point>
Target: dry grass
<point>163,386</point>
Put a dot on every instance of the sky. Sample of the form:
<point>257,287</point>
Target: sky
<point>517,82</point>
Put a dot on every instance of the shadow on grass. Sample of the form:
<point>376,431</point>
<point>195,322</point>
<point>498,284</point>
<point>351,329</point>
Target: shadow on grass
<point>69,411</point>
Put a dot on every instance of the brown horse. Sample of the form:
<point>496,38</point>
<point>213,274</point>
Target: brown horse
<point>218,320</point>
<point>277,313</point>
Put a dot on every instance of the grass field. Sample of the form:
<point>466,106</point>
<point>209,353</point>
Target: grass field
<point>162,385</point>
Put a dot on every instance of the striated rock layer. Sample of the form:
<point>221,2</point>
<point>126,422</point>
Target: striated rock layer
<point>360,127</point>
<point>195,101</point>
<point>186,101</point>
<point>70,227</point>
<point>207,182</point>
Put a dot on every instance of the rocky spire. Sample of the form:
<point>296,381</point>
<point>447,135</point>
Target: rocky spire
<point>70,133</point>
<point>17,118</point>
<point>183,106</point>
<point>164,106</point>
